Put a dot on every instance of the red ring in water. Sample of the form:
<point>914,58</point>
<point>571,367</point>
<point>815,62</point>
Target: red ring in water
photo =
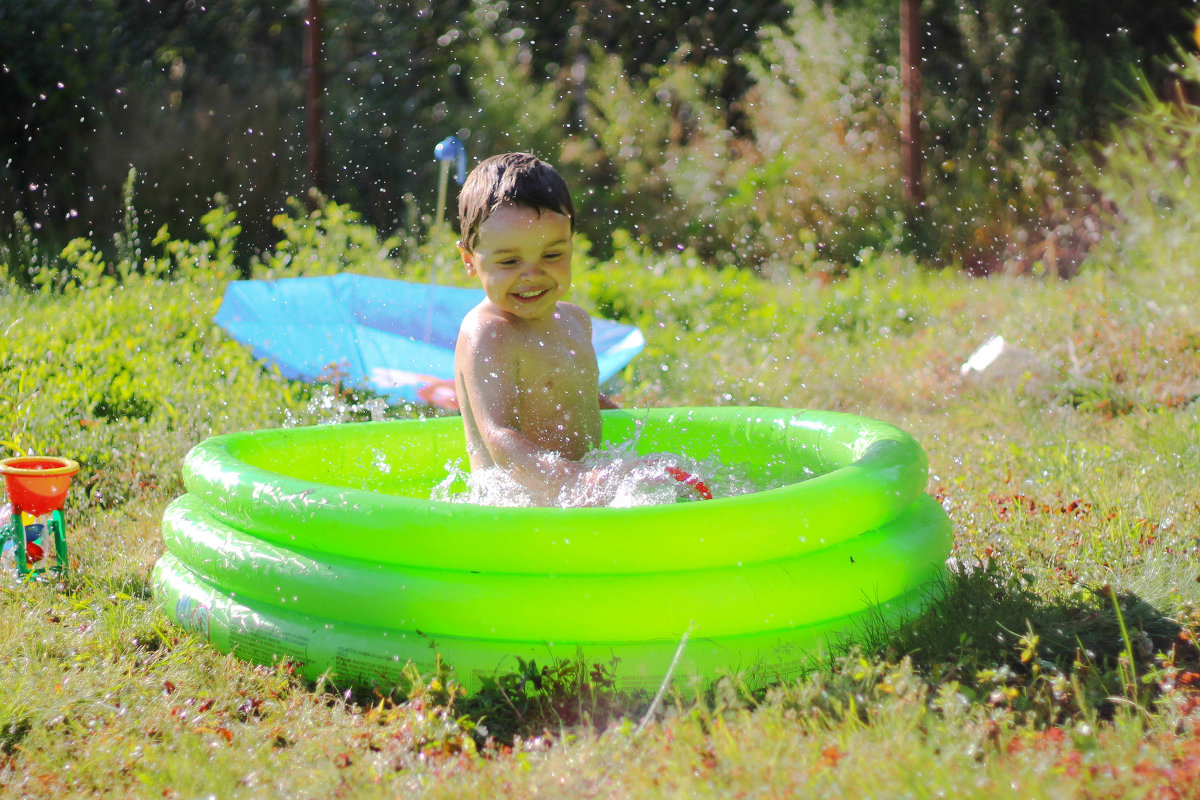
<point>691,480</point>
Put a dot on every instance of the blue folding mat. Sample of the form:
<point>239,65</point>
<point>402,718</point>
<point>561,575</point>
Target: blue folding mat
<point>394,337</point>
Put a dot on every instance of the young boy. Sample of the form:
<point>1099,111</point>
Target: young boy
<point>524,367</point>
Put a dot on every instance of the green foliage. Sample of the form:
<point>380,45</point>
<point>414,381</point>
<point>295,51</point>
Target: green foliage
<point>643,130</point>
<point>995,69</point>
<point>566,694</point>
<point>515,110</point>
<point>105,85</point>
<point>683,304</point>
<point>125,373</point>
<point>397,81</point>
<point>1060,662</point>
<point>760,135</point>
<point>117,363</point>
<point>825,159</point>
<point>812,181</point>
<point>1008,92</point>
<point>1150,171</point>
<point>650,290</point>
<point>643,41</point>
<point>328,240</point>
<point>54,68</point>
<point>22,254</point>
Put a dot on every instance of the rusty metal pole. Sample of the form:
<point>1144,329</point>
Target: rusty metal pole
<point>910,103</point>
<point>312,61</point>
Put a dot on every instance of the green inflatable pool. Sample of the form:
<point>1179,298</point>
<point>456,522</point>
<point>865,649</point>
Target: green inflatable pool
<point>320,546</point>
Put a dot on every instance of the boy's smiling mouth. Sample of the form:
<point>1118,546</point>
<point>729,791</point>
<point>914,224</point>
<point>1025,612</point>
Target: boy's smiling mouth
<point>532,294</point>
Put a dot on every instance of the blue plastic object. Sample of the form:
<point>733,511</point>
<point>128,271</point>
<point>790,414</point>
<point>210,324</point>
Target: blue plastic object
<point>394,337</point>
<point>452,149</point>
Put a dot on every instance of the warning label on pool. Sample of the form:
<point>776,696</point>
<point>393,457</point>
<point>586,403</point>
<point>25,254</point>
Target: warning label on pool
<point>266,645</point>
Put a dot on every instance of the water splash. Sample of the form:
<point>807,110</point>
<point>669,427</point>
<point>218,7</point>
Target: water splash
<point>617,478</point>
<point>328,406</point>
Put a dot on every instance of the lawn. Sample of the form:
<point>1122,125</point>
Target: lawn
<point>1060,664</point>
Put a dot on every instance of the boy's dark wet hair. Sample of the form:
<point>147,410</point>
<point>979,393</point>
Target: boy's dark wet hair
<point>510,178</point>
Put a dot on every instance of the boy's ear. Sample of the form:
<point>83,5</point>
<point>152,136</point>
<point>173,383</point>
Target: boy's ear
<point>468,258</point>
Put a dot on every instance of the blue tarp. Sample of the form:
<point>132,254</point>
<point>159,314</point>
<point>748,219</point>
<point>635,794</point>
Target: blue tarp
<point>394,337</point>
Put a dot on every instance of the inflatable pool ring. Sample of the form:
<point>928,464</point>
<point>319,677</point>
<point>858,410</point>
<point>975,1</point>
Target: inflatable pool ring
<point>320,546</point>
<point>691,481</point>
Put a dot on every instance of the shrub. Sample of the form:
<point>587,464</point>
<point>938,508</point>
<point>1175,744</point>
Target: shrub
<point>1009,92</point>
<point>1149,173</point>
<point>325,241</point>
<point>649,139</point>
<point>117,363</point>
<point>822,178</point>
<point>122,368</point>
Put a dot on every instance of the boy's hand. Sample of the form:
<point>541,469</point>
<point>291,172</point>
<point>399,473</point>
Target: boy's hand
<point>587,487</point>
<point>592,485</point>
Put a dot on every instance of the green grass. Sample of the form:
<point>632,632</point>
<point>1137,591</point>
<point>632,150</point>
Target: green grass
<point>1061,663</point>
<point>1022,678</point>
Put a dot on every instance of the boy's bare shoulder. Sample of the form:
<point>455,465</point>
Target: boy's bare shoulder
<point>575,314</point>
<point>483,324</point>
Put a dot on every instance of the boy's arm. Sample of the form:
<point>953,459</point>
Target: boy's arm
<point>486,366</point>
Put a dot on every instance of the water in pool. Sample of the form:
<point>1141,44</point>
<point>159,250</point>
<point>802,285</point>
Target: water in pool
<point>624,480</point>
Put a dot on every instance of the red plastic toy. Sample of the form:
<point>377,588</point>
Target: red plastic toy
<point>688,479</point>
<point>36,486</point>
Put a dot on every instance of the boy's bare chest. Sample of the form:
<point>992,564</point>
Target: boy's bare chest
<point>559,366</point>
<point>557,394</point>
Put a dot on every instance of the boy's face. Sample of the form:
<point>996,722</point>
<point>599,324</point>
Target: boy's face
<point>523,259</point>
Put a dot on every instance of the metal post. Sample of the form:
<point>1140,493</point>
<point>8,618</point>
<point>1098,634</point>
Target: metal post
<point>443,179</point>
<point>312,61</point>
<point>910,103</point>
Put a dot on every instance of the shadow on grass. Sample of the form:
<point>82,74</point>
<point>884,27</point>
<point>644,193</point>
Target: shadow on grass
<point>990,629</point>
<point>984,615</point>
